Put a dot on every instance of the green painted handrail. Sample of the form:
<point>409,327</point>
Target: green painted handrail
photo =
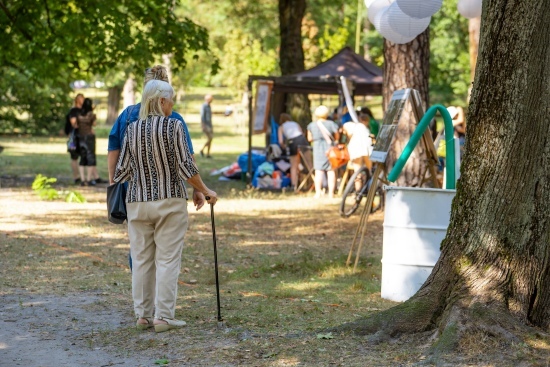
<point>417,135</point>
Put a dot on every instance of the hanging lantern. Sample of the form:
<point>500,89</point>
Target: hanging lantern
<point>378,17</point>
<point>388,33</point>
<point>368,3</point>
<point>375,8</point>
<point>469,8</point>
<point>405,25</point>
<point>419,8</point>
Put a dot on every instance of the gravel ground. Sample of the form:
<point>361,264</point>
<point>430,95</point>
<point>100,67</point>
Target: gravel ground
<point>46,331</point>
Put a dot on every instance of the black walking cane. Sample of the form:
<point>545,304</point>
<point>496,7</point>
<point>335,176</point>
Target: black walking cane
<point>220,319</point>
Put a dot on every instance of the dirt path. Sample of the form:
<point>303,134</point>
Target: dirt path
<point>38,330</point>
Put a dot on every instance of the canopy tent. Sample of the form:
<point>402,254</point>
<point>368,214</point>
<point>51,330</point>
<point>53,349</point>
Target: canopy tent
<point>322,79</point>
<point>364,77</point>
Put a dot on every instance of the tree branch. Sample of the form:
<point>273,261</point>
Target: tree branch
<point>12,19</point>
<point>48,17</point>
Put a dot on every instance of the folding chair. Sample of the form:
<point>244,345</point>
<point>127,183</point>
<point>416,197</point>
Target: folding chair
<point>306,173</point>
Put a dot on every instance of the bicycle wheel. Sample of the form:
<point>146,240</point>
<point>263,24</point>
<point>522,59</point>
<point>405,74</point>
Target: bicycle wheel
<point>351,198</point>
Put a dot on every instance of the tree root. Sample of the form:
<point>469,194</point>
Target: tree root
<point>413,316</point>
<point>458,327</point>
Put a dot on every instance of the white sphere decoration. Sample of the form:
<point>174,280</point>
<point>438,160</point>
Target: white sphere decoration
<point>469,8</point>
<point>378,17</point>
<point>368,3</point>
<point>419,8</point>
<point>375,7</point>
<point>388,33</point>
<point>405,25</point>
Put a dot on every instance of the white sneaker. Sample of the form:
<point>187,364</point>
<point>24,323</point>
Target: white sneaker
<point>170,324</point>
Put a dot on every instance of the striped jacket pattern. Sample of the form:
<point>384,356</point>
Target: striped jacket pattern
<point>155,159</point>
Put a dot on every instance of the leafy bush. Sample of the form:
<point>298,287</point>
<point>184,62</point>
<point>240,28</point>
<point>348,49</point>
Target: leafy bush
<point>43,188</point>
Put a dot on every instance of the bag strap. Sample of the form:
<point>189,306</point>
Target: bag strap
<point>325,132</point>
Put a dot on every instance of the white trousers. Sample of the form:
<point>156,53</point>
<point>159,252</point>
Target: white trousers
<point>156,230</point>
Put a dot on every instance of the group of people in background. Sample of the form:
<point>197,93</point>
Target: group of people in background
<point>322,132</point>
<point>82,141</point>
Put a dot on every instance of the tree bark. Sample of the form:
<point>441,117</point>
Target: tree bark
<point>407,66</point>
<point>493,274</point>
<point>113,104</point>
<point>291,55</point>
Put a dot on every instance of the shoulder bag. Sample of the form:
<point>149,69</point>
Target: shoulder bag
<point>116,203</point>
<point>116,196</point>
<point>337,154</point>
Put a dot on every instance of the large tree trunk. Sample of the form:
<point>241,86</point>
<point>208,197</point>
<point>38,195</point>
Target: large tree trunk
<point>493,275</point>
<point>407,66</point>
<point>291,54</point>
<point>113,104</point>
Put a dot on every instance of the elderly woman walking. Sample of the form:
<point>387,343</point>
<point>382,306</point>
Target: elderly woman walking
<point>156,160</point>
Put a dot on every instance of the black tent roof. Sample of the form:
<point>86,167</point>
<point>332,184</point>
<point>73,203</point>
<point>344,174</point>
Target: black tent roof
<point>322,79</point>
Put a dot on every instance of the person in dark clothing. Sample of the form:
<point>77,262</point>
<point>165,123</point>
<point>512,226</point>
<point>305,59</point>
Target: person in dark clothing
<point>72,133</point>
<point>85,120</point>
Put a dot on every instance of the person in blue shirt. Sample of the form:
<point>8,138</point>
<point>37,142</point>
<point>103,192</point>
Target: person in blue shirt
<point>131,114</point>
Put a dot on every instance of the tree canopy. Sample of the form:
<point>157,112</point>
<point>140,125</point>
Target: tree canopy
<point>46,44</point>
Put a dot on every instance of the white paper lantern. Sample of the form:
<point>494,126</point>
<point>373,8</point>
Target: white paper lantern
<point>388,33</point>
<point>376,22</point>
<point>405,25</point>
<point>419,8</point>
<point>375,7</point>
<point>469,8</point>
<point>368,3</point>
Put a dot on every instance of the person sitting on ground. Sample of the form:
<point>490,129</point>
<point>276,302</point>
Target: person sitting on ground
<point>322,132</point>
<point>290,135</point>
<point>157,208</point>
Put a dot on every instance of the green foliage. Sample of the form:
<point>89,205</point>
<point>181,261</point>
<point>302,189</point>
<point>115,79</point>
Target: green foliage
<point>75,197</point>
<point>243,35</point>
<point>46,44</point>
<point>28,106</point>
<point>243,56</point>
<point>375,41</point>
<point>449,56</point>
<point>42,186</point>
<point>333,41</point>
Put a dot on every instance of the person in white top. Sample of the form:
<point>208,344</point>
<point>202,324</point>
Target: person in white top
<point>291,135</point>
<point>360,144</point>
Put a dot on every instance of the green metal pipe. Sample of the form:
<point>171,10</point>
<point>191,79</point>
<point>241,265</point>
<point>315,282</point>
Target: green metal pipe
<point>417,135</point>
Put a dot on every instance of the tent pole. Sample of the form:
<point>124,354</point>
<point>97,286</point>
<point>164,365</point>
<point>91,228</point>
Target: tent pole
<point>249,170</point>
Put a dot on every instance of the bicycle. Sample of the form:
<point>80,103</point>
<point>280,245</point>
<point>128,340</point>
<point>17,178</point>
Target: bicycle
<point>351,198</point>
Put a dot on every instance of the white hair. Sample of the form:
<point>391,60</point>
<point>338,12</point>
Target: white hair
<point>322,112</point>
<point>153,91</point>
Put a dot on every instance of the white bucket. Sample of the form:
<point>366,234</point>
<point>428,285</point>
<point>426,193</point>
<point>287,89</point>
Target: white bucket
<point>415,223</point>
